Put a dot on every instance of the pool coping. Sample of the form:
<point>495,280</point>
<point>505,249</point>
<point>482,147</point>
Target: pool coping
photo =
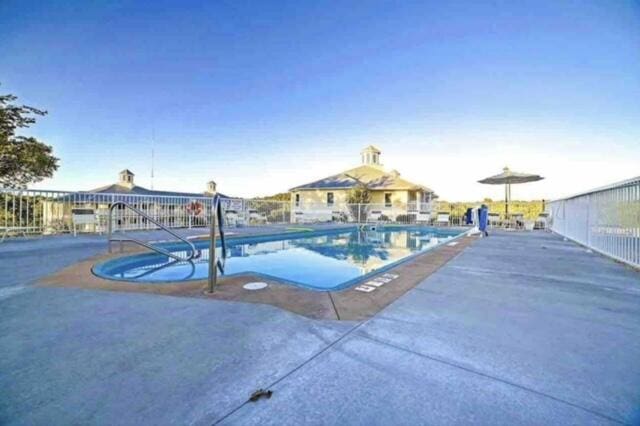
<point>98,272</point>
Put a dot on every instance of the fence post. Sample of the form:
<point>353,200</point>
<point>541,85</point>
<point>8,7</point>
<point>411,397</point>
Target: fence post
<point>213,272</point>
<point>588,220</point>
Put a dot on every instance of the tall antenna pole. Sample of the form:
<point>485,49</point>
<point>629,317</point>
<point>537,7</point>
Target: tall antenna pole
<point>153,142</point>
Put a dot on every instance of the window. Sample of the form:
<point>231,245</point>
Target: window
<point>329,198</point>
<point>297,200</point>
<point>387,199</point>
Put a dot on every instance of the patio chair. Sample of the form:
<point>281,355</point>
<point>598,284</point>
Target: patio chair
<point>256,217</point>
<point>83,217</point>
<point>494,220</point>
<point>542,221</point>
<point>324,216</point>
<point>231,217</point>
<point>423,217</point>
<point>300,217</point>
<point>339,216</point>
<point>374,216</point>
<point>516,221</point>
<point>442,219</point>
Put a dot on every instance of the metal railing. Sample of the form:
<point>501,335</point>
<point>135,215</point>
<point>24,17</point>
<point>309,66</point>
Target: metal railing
<point>606,219</point>
<point>213,263</point>
<point>192,253</point>
<point>53,212</point>
<point>46,212</point>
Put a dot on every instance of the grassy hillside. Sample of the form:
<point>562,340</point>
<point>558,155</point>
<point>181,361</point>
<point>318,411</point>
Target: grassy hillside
<point>283,196</point>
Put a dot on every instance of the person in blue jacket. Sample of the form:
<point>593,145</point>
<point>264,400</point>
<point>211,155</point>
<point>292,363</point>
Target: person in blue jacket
<point>483,219</point>
<point>468,216</point>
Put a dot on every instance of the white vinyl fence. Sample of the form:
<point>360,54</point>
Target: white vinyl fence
<point>606,220</point>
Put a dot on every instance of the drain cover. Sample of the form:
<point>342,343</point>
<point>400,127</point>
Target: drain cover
<point>254,286</point>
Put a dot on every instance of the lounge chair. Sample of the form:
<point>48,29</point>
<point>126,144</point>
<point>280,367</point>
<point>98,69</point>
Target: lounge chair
<point>15,230</point>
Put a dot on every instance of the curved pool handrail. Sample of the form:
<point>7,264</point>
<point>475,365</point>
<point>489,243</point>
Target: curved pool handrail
<point>166,265</point>
<point>215,215</point>
<point>193,254</point>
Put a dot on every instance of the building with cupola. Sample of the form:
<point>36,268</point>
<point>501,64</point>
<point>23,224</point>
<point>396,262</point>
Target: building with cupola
<point>172,208</point>
<point>388,191</point>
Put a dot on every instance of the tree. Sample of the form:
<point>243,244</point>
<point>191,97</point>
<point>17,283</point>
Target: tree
<point>281,196</point>
<point>358,195</point>
<point>23,159</point>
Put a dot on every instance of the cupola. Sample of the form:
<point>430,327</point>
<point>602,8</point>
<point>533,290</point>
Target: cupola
<point>211,187</point>
<point>370,156</point>
<point>126,178</point>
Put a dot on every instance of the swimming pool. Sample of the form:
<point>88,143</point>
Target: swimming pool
<point>319,260</point>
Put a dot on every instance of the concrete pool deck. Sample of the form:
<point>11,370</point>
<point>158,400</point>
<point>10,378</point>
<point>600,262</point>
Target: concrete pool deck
<point>519,328</point>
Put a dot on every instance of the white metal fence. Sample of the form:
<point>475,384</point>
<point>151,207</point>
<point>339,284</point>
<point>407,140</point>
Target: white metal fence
<point>52,212</point>
<point>46,212</point>
<point>606,220</point>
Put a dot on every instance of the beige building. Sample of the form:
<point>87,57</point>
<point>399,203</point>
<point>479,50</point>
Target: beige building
<point>175,209</point>
<point>390,194</point>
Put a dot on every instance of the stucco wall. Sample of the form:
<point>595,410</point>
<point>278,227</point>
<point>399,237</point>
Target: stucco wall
<point>313,204</point>
<point>318,198</point>
<point>398,198</point>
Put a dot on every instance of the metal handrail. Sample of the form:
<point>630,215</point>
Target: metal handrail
<point>194,254</point>
<point>161,267</point>
<point>214,264</point>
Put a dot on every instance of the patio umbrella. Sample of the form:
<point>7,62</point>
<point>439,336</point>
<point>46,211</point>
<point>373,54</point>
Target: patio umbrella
<point>507,178</point>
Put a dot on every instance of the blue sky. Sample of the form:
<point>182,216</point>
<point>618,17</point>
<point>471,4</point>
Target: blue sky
<point>263,96</point>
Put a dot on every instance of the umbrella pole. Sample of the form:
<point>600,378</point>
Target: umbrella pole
<point>506,201</point>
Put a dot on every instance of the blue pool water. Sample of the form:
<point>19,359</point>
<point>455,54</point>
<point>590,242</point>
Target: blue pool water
<point>327,260</point>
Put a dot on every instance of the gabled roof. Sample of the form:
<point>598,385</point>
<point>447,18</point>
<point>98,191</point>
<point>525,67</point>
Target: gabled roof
<point>371,148</point>
<point>139,190</point>
<point>373,177</point>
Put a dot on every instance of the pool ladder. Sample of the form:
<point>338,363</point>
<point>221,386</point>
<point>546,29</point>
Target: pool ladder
<point>193,253</point>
